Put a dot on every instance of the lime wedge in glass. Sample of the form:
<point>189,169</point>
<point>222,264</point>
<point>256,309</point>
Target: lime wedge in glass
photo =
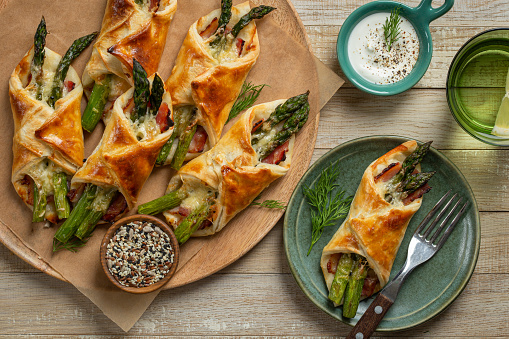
<point>501,127</point>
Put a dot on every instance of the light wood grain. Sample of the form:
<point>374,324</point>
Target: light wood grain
<point>257,296</point>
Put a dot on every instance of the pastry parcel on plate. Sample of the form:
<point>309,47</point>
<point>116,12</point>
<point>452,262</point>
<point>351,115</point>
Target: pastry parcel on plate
<point>45,93</point>
<point>206,193</point>
<point>111,179</point>
<point>357,261</point>
<point>213,62</point>
<point>131,29</point>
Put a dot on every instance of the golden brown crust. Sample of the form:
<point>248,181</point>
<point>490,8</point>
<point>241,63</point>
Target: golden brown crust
<point>41,132</point>
<point>128,30</point>
<point>231,168</point>
<point>240,186</point>
<point>212,86</point>
<point>120,160</point>
<point>373,228</point>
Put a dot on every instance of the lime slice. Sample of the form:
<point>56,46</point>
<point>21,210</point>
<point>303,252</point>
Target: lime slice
<point>501,127</point>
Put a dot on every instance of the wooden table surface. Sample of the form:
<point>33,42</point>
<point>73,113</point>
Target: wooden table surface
<point>257,295</point>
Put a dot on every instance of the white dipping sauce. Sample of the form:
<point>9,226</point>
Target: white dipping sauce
<point>368,52</point>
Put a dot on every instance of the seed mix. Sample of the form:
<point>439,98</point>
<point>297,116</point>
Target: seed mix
<point>139,254</point>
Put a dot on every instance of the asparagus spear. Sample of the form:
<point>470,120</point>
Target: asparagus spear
<point>191,223</point>
<point>63,66</point>
<point>38,59</point>
<point>156,94</point>
<point>96,211</point>
<point>95,107</point>
<point>183,133</point>
<point>39,204</point>
<point>291,126</point>
<point>354,288</point>
<point>411,162</point>
<point>226,14</point>
<point>282,112</point>
<point>341,276</point>
<point>255,13</point>
<point>224,19</point>
<point>141,91</point>
<point>69,227</point>
<point>184,141</point>
<point>166,149</point>
<point>164,203</point>
<point>60,188</point>
<point>414,181</point>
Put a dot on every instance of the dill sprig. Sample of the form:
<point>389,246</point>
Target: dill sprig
<point>328,207</point>
<point>392,28</point>
<point>270,204</point>
<point>247,97</point>
<point>72,245</point>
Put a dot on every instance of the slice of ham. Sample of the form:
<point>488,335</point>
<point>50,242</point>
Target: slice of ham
<point>117,206</point>
<point>240,46</point>
<point>29,183</point>
<point>183,211</point>
<point>199,140</point>
<point>69,85</point>
<point>278,155</point>
<point>128,108</point>
<point>206,223</point>
<point>163,119</point>
<point>257,125</point>
<point>418,193</point>
<point>154,5</point>
<point>332,264</point>
<point>211,29</point>
<point>75,194</point>
<point>369,286</point>
<point>389,172</point>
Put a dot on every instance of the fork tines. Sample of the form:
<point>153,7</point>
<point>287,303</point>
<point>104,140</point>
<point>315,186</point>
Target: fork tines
<point>436,209</point>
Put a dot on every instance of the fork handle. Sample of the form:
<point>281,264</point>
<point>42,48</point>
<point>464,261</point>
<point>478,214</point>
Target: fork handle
<point>368,323</point>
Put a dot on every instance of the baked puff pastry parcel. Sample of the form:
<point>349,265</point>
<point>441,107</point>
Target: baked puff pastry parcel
<point>45,94</point>
<point>207,192</point>
<point>212,64</point>
<point>131,29</point>
<point>358,259</point>
<point>111,179</point>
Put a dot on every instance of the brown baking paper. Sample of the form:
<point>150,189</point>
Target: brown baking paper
<point>285,65</point>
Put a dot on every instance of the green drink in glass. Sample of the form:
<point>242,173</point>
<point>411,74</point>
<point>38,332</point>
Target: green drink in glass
<point>476,84</point>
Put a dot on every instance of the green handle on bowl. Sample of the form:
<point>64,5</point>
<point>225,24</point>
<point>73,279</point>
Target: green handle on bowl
<point>427,13</point>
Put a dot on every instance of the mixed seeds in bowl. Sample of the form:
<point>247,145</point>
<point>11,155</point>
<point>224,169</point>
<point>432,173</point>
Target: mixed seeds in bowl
<point>139,254</point>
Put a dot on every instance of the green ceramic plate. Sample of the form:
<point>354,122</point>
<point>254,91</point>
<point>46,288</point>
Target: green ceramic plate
<point>433,285</point>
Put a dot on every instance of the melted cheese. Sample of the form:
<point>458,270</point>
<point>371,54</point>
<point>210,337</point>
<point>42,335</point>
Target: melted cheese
<point>389,188</point>
<point>42,174</point>
<point>197,194</point>
<point>146,129</point>
<point>264,140</point>
<point>226,51</point>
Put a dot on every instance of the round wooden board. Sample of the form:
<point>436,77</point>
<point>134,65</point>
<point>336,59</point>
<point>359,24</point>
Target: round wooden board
<point>203,253</point>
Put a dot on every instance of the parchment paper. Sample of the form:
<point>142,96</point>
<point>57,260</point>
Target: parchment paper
<point>286,66</point>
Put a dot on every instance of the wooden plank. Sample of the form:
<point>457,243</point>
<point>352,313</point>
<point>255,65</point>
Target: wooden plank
<point>446,42</point>
<point>418,113</point>
<point>465,13</point>
<point>228,305</point>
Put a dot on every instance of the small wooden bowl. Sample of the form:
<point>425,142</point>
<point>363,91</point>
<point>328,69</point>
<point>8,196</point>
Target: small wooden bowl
<point>157,222</point>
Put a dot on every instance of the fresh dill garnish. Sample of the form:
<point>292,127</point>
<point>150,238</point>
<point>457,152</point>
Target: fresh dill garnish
<point>270,204</point>
<point>247,97</point>
<point>328,207</point>
<point>72,245</point>
<point>392,28</point>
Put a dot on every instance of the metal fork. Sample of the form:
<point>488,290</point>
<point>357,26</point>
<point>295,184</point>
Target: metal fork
<point>422,247</point>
